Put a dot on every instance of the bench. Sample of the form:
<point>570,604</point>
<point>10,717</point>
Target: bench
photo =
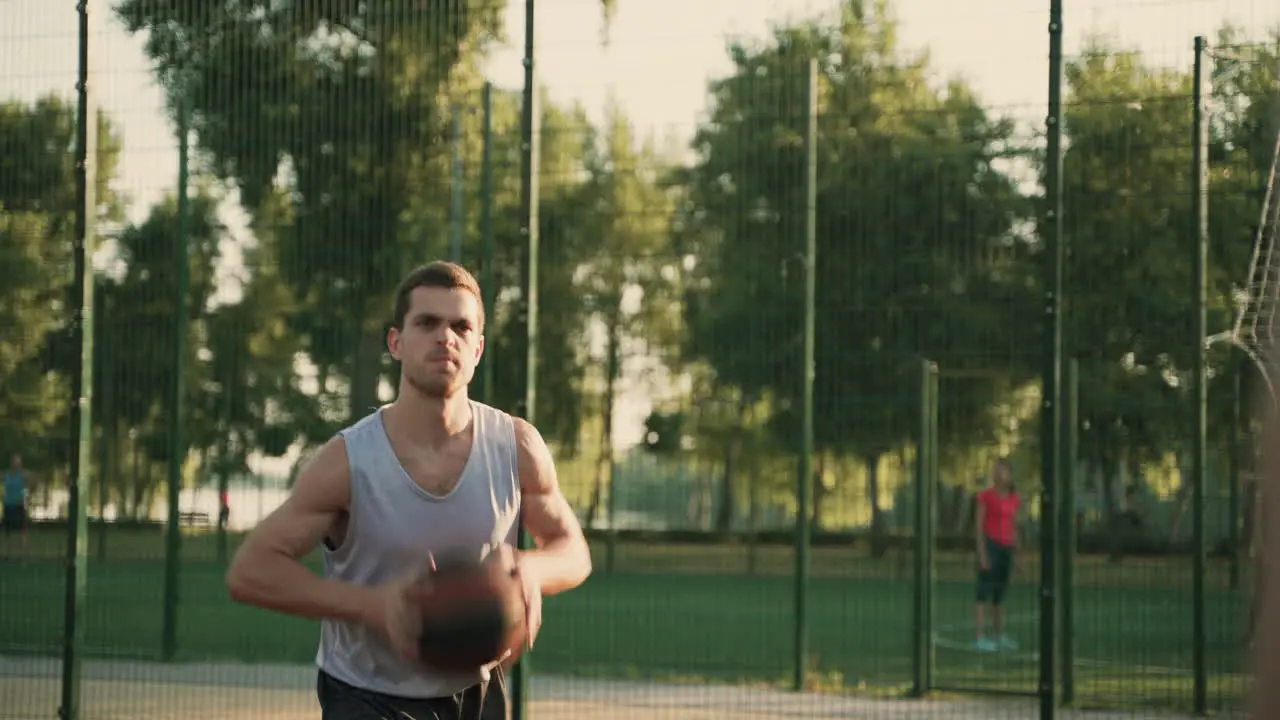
<point>200,519</point>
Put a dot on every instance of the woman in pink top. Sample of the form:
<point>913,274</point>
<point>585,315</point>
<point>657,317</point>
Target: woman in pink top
<point>997,525</point>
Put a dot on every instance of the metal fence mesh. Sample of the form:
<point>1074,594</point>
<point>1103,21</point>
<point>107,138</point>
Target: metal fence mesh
<point>264,173</point>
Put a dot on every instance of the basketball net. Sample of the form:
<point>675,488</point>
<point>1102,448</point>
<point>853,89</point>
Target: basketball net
<point>1258,301</point>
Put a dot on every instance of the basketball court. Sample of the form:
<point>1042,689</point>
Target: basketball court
<point>118,690</point>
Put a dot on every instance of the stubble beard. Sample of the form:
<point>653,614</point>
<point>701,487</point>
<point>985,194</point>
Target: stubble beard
<point>436,388</point>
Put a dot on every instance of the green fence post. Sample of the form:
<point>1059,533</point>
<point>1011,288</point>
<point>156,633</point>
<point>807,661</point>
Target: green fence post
<point>1051,394</point>
<point>926,488</point>
<point>1199,394</point>
<point>177,442</point>
<point>105,439</point>
<point>1067,527</point>
<point>611,543</point>
<point>81,419</point>
<point>930,519</point>
<point>804,481</point>
<point>486,231</point>
<point>530,143</point>
<point>455,187</point>
<point>1233,472</point>
<point>224,470</point>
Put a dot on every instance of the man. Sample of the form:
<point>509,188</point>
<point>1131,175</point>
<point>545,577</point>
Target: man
<point>432,473</point>
<point>17,485</point>
<point>997,525</point>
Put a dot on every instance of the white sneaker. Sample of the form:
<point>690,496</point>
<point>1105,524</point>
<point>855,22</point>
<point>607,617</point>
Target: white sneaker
<point>985,645</point>
<point>1007,643</point>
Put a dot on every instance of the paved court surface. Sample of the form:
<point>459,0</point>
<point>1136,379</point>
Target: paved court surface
<point>29,690</point>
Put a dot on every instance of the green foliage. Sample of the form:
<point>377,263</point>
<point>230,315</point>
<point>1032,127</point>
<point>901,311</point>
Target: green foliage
<point>914,222</point>
<point>564,131</point>
<point>1127,180</point>
<point>29,394</point>
<point>328,126</point>
<point>345,104</point>
<point>345,172</point>
<point>37,227</point>
<point>136,313</point>
<point>663,432</point>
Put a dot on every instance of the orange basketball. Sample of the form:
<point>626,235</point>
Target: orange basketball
<point>473,615</point>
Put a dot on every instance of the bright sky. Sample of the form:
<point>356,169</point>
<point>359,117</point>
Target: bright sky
<point>661,55</point>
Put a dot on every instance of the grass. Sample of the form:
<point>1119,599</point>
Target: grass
<point>691,613</point>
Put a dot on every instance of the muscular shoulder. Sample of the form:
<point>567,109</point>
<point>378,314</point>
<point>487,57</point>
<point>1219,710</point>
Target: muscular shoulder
<point>533,459</point>
<point>324,482</point>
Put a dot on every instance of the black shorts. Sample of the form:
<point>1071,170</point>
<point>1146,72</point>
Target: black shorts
<point>993,581</point>
<point>485,701</point>
<point>15,517</point>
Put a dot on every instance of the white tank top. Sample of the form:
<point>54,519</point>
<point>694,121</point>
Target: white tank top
<point>392,526</point>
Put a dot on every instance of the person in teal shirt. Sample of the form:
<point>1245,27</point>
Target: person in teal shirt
<point>16,482</point>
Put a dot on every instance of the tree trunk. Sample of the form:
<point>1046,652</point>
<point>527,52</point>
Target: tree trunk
<point>135,483</point>
<point>1249,513</point>
<point>1110,469</point>
<point>723,521</point>
<point>819,491</point>
<point>366,373</point>
<point>115,460</point>
<point>753,521</point>
<point>728,499</point>
<point>879,544</point>
<point>1182,501</point>
<point>604,459</point>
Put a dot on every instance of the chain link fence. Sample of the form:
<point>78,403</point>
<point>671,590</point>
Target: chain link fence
<point>790,318</point>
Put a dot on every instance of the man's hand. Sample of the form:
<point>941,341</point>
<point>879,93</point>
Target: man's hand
<point>399,614</point>
<point>983,561</point>
<point>531,589</point>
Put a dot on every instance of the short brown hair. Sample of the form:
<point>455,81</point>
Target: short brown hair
<point>438,274</point>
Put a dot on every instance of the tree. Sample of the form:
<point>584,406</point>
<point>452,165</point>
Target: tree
<point>330,119</point>
<point>37,226</point>
<point>1127,180</point>
<point>624,267</point>
<point>1246,118</point>
<point>915,225</point>
<point>134,368</point>
<point>341,105</point>
<point>562,215</point>
<point>31,398</point>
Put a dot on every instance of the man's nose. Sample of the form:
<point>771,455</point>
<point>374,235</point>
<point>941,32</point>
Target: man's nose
<point>446,337</point>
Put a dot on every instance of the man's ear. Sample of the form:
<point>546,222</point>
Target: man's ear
<point>393,342</point>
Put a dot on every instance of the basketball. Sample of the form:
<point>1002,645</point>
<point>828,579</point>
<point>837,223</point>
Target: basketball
<point>473,615</point>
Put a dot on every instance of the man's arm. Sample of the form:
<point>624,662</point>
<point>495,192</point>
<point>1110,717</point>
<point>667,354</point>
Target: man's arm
<point>562,560</point>
<point>267,570</point>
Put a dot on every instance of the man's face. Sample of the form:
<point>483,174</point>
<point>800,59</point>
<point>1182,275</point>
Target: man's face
<point>16,462</point>
<point>441,341</point>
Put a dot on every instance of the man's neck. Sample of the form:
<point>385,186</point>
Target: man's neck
<point>435,420</point>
